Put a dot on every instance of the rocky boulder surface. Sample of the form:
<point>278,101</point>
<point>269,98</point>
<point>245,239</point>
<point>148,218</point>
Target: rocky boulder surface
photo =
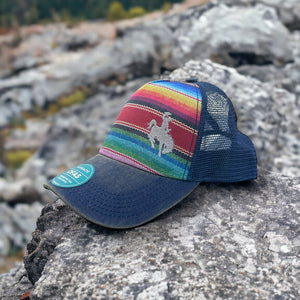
<point>235,36</point>
<point>287,10</point>
<point>237,241</point>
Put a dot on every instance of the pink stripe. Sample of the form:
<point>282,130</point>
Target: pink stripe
<point>125,159</point>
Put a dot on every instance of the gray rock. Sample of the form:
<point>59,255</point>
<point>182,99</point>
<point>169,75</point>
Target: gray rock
<point>264,73</point>
<point>30,137</point>
<point>185,19</point>
<point>267,114</point>
<point>11,106</point>
<point>17,94</point>
<point>295,36</point>
<point>5,115</point>
<point>288,10</point>
<point>18,190</point>
<point>287,77</point>
<point>71,41</point>
<point>2,170</point>
<point>21,97</point>
<point>16,225</point>
<point>24,79</point>
<point>236,36</point>
<point>15,284</point>
<point>4,244</point>
<point>27,61</point>
<point>236,241</point>
<point>141,51</point>
<point>291,80</point>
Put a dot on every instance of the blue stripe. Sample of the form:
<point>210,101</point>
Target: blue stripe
<point>186,89</point>
<point>134,144</point>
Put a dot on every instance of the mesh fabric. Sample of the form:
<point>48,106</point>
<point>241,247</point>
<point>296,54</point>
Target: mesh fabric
<point>222,153</point>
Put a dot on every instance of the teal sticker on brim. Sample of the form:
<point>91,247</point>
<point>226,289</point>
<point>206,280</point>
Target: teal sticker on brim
<point>75,176</point>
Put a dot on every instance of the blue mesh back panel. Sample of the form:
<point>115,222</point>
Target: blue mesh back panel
<point>222,154</point>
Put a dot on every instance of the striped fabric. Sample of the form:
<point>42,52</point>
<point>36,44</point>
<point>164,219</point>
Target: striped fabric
<point>166,113</point>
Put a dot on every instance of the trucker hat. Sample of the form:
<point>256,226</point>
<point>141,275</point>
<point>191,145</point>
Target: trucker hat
<point>169,137</point>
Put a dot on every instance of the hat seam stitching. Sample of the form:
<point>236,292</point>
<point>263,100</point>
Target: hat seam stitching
<point>190,150</point>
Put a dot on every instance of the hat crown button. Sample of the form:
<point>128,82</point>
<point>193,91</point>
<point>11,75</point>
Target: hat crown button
<point>191,79</point>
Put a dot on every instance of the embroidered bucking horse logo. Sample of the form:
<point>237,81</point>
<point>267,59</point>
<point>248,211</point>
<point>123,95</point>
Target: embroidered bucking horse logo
<point>161,134</point>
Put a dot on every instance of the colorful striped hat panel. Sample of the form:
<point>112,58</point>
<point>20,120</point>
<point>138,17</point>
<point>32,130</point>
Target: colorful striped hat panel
<point>157,129</point>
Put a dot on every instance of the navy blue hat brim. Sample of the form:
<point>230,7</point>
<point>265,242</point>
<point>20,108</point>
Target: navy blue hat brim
<point>122,196</point>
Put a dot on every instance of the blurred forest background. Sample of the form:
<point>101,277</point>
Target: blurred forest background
<point>14,13</point>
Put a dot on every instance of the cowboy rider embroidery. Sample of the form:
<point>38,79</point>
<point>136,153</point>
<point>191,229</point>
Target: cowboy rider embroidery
<point>161,134</point>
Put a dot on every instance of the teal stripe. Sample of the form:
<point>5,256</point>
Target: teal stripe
<point>148,147</point>
<point>169,156</point>
<point>155,162</point>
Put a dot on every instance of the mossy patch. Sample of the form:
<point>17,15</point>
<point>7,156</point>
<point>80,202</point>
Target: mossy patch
<point>76,97</point>
<point>15,158</point>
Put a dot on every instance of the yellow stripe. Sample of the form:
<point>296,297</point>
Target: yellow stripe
<point>186,100</point>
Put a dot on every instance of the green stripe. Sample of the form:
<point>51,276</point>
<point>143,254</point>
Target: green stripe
<point>150,161</point>
<point>146,141</point>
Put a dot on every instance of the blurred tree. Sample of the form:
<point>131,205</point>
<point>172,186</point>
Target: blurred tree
<point>136,11</point>
<point>33,15</point>
<point>65,15</point>
<point>96,9</point>
<point>20,12</point>
<point>116,11</point>
<point>166,6</point>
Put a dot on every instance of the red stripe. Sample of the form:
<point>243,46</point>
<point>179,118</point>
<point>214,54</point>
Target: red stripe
<point>159,114</point>
<point>140,118</point>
